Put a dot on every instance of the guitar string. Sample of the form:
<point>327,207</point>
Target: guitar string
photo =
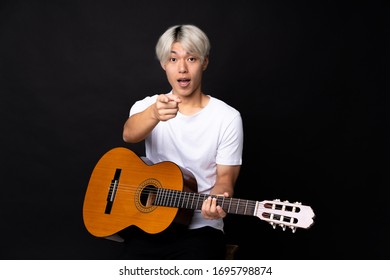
<point>174,197</point>
<point>241,206</point>
<point>234,202</point>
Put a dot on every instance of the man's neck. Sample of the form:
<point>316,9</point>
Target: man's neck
<point>193,104</point>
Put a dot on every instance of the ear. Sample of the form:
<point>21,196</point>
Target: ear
<point>205,63</point>
<point>162,65</point>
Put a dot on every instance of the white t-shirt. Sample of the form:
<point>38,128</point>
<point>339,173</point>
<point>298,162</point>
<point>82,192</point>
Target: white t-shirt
<point>197,142</point>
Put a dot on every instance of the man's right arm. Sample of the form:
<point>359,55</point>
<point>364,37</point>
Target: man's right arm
<point>138,126</point>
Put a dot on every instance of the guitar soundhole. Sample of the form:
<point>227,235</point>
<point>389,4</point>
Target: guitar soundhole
<point>146,195</point>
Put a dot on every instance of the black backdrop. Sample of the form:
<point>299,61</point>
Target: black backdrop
<point>308,79</point>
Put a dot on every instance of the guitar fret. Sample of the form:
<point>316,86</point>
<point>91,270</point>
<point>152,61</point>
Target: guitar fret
<point>191,206</point>
<point>192,202</point>
<point>161,202</point>
<point>165,197</point>
<point>223,202</point>
<point>188,200</point>
<point>238,203</point>
<point>182,200</point>
<point>157,197</point>
<point>201,198</point>
<point>230,204</point>
<point>178,200</point>
<point>171,195</point>
<point>197,202</point>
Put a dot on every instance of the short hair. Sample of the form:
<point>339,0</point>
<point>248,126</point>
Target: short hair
<point>193,39</point>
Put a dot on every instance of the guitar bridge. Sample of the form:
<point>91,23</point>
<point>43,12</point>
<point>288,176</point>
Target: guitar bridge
<point>112,191</point>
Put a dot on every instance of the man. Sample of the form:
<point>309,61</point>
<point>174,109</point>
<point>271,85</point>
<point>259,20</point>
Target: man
<point>196,131</point>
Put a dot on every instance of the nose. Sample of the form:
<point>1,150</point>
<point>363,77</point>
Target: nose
<point>183,67</point>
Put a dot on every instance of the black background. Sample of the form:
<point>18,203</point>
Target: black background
<point>308,78</point>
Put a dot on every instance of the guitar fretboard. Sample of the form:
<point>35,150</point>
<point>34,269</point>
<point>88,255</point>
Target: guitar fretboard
<point>189,200</point>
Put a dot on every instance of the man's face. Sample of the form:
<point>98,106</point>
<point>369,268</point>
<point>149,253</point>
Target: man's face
<point>184,71</point>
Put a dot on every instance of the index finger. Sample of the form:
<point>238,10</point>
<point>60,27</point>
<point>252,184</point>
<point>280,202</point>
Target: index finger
<point>172,97</point>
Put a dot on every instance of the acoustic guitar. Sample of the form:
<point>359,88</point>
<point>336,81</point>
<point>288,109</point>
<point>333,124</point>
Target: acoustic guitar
<point>127,190</point>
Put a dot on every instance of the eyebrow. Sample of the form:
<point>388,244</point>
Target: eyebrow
<point>187,53</point>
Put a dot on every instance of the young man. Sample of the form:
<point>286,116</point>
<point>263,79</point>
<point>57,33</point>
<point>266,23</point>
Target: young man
<point>197,132</point>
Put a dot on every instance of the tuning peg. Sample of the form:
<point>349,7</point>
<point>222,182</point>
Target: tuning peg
<point>272,224</point>
<point>293,229</point>
<point>283,227</point>
<point>287,201</point>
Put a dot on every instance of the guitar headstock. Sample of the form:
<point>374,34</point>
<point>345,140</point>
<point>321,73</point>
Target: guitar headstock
<point>285,214</point>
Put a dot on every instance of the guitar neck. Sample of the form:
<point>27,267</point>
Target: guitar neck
<point>190,200</point>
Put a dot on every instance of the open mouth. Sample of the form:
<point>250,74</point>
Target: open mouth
<point>183,82</point>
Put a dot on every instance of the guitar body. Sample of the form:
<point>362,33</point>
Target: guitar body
<point>121,190</point>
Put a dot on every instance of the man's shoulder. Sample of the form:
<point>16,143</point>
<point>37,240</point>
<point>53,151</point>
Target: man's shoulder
<point>223,105</point>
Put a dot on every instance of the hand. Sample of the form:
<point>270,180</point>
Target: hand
<point>166,106</point>
<point>212,211</point>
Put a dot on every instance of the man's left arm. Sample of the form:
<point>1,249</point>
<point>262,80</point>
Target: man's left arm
<point>224,185</point>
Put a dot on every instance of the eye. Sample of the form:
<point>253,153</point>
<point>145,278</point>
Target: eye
<point>192,59</point>
<point>172,59</point>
